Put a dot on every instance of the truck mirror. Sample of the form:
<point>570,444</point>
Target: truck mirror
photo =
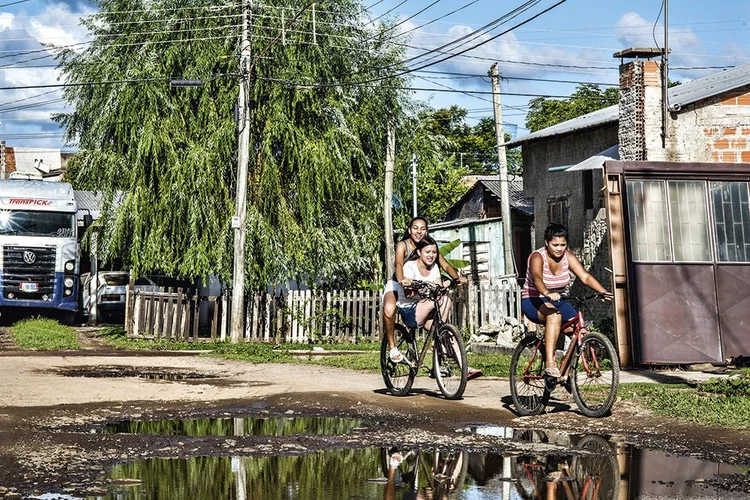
<point>87,221</point>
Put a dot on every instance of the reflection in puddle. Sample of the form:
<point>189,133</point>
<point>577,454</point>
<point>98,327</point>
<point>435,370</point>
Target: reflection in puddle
<point>229,426</point>
<point>592,468</point>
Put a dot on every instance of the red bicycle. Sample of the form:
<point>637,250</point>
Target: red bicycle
<point>589,369</point>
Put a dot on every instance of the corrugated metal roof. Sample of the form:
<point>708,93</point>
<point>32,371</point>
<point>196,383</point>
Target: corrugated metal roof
<point>709,86</point>
<point>90,202</point>
<point>597,161</point>
<point>679,96</point>
<point>515,191</point>
<point>599,117</point>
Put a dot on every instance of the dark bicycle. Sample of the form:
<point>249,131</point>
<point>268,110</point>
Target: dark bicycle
<point>449,366</point>
<point>589,369</point>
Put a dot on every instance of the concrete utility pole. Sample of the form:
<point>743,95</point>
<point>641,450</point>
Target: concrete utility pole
<point>502,164</point>
<point>243,159</point>
<point>2,160</point>
<point>390,162</point>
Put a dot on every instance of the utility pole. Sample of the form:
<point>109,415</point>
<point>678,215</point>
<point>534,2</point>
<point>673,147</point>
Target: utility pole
<point>390,161</point>
<point>2,160</point>
<point>665,78</point>
<point>414,183</point>
<point>502,164</point>
<point>243,159</point>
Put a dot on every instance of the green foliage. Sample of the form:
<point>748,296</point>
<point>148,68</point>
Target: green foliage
<point>438,174</point>
<point>165,158</point>
<point>495,365</point>
<point>735,386</point>
<point>44,334</point>
<point>545,112</point>
<point>448,248</point>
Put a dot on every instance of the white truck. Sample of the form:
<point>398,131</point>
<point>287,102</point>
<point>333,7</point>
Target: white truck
<point>39,247</point>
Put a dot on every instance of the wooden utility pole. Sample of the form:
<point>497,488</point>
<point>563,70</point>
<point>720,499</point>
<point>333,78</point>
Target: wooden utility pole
<point>390,162</point>
<point>2,160</point>
<point>502,165</point>
<point>243,159</point>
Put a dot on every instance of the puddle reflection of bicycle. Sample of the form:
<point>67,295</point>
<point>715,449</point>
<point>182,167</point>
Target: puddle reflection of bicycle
<point>423,474</point>
<point>592,473</point>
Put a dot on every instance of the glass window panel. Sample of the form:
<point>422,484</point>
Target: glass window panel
<point>649,231</point>
<point>689,216</point>
<point>729,201</point>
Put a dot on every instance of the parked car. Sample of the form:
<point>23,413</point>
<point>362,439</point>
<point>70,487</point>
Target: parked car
<point>111,291</point>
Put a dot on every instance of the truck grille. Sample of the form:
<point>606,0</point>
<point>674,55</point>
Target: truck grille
<point>28,265</point>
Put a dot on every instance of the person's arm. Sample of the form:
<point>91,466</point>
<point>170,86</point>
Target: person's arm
<point>445,266</point>
<point>583,275</point>
<point>400,256</point>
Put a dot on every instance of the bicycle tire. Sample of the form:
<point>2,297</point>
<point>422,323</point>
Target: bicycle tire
<point>600,463</point>
<point>449,362</point>
<point>398,377</point>
<point>528,389</point>
<point>595,375</point>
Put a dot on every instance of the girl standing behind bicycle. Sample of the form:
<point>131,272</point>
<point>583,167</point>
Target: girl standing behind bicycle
<point>547,277</point>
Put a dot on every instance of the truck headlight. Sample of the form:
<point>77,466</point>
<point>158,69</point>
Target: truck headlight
<point>68,282</point>
<point>70,265</point>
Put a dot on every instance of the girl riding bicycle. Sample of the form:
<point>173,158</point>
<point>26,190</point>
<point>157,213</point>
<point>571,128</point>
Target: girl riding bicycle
<point>547,277</point>
<point>414,310</point>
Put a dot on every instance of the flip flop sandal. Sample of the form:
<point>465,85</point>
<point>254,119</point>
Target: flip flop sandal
<point>395,355</point>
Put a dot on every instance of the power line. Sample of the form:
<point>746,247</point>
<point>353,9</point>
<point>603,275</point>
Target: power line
<point>386,12</point>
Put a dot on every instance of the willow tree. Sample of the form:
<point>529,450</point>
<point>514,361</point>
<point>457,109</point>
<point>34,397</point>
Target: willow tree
<point>165,157</point>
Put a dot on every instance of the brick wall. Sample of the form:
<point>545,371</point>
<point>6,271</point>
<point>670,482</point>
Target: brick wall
<point>712,130</point>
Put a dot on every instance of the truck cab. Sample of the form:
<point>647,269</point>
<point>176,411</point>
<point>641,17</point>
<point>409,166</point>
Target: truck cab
<point>38,247</point>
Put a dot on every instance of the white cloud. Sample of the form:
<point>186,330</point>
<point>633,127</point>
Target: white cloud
<point>58,25</point>
<point>6,20</point>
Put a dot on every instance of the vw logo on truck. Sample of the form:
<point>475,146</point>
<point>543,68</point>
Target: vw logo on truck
<point>29,257</point>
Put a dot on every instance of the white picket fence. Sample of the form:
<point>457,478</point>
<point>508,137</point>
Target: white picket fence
<point>301,315</point>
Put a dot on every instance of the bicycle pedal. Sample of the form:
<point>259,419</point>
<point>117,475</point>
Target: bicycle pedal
<point>550,383</point>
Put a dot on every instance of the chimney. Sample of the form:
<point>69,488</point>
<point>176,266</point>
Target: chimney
<point>640,104</point>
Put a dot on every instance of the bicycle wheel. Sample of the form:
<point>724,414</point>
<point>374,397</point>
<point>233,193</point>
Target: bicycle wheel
<point>449,362</point>
<point>399,377</point>
<point>595,376</point>
<point>598,472</point>
<point>527,387</point>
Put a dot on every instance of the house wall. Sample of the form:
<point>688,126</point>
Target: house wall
<point>486,237</point>
<point>545,186</point>
<point>711,130</point>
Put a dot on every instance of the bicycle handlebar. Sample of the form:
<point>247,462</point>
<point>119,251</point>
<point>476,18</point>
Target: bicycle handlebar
<point>428,288</point>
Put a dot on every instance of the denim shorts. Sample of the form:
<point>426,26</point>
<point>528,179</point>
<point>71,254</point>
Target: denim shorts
<point>409,316</point>
<point>530,308</point>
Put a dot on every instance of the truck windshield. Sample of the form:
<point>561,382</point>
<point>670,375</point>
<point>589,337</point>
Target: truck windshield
<point>30,223</point>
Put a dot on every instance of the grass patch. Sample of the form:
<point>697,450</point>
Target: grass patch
<point>712,403</point>
<point>44,334</point>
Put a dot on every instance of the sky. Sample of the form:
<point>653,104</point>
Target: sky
<point>542,47</point>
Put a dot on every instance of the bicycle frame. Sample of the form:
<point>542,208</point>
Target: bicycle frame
<point>437,322</point>
<point>576,337</point>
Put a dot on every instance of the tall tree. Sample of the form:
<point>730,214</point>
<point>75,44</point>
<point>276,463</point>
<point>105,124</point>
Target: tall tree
<point>316,145</point>
<point>545,112</point>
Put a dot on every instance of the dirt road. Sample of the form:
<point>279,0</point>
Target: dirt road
<point>52,404</point>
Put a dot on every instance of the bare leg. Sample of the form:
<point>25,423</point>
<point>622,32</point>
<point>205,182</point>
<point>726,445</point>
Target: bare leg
<point>424,308</point>
<point>552,322</point>
<point>389,317</point>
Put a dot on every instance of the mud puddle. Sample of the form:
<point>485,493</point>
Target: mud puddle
<point>120,371</point>
<point>501,462</point>
<point>236,426</point>
<point>593,467</point>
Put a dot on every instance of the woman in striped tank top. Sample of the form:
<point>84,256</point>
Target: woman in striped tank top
<point>547,277</point>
